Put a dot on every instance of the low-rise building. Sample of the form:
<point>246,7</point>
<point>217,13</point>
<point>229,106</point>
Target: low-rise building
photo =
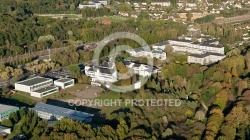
<point>161,3</point>
<point>92,4</point>
<point>161,45</point>
<point>206,58</point>
<point>64,83</point>
<point>4,130</point>
<point>33,84</point>
<point>42,92</point>
<point>196,48</point>
<point>143,52</point>
<point>159,54</point>
<point>141,69</point>
<point>101,74</point>
<point>5,111</point>
<point>50,112</point>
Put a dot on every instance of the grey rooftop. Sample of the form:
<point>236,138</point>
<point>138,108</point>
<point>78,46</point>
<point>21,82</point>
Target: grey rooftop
<point>4,108</point>
<point>64,112</point>
<point>162,43</point>
<point>206,54</point>
<point>33,81</point>
<point>64,80</point>
<point>2,128</point>
<point>42,90</point>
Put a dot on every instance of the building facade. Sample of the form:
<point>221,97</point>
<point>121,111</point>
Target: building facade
<point>206,58</point>
<point>64,83</point>
<point>5,111</point>
<point>196,48</point>
<point>40,93</point>
<point>93,4</point>
<point>141,52</point>
<point>33,84</point>
<point>51,112</point>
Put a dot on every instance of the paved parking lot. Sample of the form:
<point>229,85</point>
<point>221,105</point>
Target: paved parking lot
<point>59,73</point>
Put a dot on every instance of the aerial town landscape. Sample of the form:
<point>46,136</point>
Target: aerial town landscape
<point>125,69</point>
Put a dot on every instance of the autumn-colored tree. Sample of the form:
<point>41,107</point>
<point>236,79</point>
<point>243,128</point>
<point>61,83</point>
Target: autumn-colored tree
<point>122,129</point>
<point>200,115</point>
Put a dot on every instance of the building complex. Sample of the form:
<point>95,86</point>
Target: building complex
<point>203,53</point>
<point>107,74</point>
<point>40,86</point>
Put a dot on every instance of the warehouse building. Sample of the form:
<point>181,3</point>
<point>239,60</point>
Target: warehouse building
<point>64,83</point>
<point>5,111</point>
<point>50,112</point>
<point>33,84</point>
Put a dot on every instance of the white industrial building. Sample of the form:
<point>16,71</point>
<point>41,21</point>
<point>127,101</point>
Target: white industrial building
<point>33,84</point>
<point>42,92</point>
<point>40,87</point>
<point>196,48</point>
<point>141,52</point>
<point>64,83</point>
<point>203,53</point>
<point>206,58</point>
<point>50,112</point>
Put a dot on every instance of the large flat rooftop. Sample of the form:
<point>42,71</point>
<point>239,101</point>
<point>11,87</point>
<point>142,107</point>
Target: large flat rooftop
<point>33,81</point>
<point>42,90</point>
<point>64,112</point>
<point>64,80</point>
<point>4,108</point>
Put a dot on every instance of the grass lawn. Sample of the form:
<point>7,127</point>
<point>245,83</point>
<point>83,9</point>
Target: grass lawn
<point>23,98</point>
<point>70,16</point>
<point>110,95</point>
<point>76,87</point>
<point>115,19</point>
<point>113,96</point>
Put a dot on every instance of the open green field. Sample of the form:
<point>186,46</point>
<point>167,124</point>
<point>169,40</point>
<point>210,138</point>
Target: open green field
<point>76,87</point>
<point>70,16</point>
<point>111,96</point>
<point>114,19</point>
<point>23,98</point>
